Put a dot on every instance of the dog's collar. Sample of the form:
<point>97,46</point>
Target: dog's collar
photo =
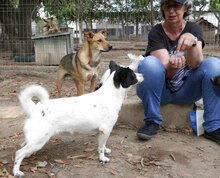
<point>94,63</point>
<point>91,64</point>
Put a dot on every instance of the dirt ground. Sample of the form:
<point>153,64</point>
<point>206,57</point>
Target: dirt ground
<point>168,155</point>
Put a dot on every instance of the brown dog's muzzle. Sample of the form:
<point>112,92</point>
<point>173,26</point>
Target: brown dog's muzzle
<point>109,48</point>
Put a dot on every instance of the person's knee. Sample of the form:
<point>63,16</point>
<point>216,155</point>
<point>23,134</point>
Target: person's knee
<point>150,66</point>
<point>154,75</point>
<point>211,66</point>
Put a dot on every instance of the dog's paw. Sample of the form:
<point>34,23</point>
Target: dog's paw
<point>107,150</point>
<point>104,159</point>
<point>19,174</point>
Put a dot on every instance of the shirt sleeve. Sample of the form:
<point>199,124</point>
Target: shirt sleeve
<point>155,40</point>
<point>196,30</point>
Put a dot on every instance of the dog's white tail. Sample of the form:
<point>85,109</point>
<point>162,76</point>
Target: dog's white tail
<point>25,97</point>
<point>135,60</point>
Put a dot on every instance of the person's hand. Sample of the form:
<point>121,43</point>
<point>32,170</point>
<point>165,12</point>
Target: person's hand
<point>185,42</point>
<point>177,62</point>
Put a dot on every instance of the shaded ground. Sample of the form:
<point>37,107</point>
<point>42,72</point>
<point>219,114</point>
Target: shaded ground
<point>169,154</point>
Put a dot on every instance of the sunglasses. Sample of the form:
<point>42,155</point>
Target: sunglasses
<point>175,7</point>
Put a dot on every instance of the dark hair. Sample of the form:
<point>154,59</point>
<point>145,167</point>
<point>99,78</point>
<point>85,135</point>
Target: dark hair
<point>187,13</point>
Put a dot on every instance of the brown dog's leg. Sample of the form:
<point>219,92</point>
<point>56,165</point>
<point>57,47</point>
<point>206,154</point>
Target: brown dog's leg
<point>80,86</point>
<point>46,33</point>
<point>93,84</point>
<point>60,75</point>
<point>58,30</point>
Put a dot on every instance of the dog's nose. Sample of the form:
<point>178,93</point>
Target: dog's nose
<point>110,47</point>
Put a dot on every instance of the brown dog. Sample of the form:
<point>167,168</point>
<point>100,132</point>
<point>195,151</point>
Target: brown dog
<point>84,65</point>
<point>51,27</point>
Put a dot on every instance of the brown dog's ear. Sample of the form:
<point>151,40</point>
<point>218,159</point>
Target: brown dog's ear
<point>89,34</point>
<point>103,31</point>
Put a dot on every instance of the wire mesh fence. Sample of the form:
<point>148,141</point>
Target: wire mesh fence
<point>38,32</point>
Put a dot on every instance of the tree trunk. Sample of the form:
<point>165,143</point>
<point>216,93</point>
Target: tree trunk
<point>91,27</point>
<point>80,32</point>
<point>16,24</point>
<point>151,14</point>
<point>123,29</point>
<point>137,24</point>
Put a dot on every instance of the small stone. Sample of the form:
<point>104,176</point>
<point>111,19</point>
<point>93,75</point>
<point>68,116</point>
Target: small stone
<point>54,170</point>
<point>41,164</point>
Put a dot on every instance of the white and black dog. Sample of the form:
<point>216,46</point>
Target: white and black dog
<point>135,60</point>
<point>94,111</point>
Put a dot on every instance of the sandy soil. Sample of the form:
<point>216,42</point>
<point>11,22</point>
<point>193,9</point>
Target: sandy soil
<point>168,154</point>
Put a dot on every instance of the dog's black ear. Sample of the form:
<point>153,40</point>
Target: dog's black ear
<point>113,66</point>
<point>51,18</point>
<point>119,77</point>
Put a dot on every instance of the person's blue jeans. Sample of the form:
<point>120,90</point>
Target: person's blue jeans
<point>153,90</point>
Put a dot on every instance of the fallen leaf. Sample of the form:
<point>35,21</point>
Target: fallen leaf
<point>33,169</point>
<point>160,163</point>
<point>78,157</point>
<point>27,168</point>
<point>114,172</point>
<point>5,173</point>
<point>199,148</point>
<point>149,161</point>
<point>35,156</point>
<point>173,157</point>
<point>77,166</point>
<point>122,141</point>
<point>89,149</point>
<point>14,91</point>
<point>124,126</point>
<point>53,93</point>
<point>93,157</point>
<point>55,141</point>
<point>42,170</point>
<point>62,162</point>
<point>120,148</point>
<point>148,146</point>
<point>3,163</point>
<point>142,162</point>
<point>51,175</point>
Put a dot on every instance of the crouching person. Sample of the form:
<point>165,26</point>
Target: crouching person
<point>177,71</point>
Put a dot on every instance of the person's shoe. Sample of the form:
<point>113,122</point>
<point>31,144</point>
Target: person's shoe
<point>215,135</point>
<point>148,130</point>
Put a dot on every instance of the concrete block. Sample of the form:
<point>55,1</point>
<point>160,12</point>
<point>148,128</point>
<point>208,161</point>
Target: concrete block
<point>175,116</point>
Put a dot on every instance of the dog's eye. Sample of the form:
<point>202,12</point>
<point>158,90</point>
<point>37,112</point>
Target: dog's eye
<point>99,40</point>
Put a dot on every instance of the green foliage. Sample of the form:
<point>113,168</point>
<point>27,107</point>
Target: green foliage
<point>215,5</point>
<point>114,11</point>
<point>198,7</point>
